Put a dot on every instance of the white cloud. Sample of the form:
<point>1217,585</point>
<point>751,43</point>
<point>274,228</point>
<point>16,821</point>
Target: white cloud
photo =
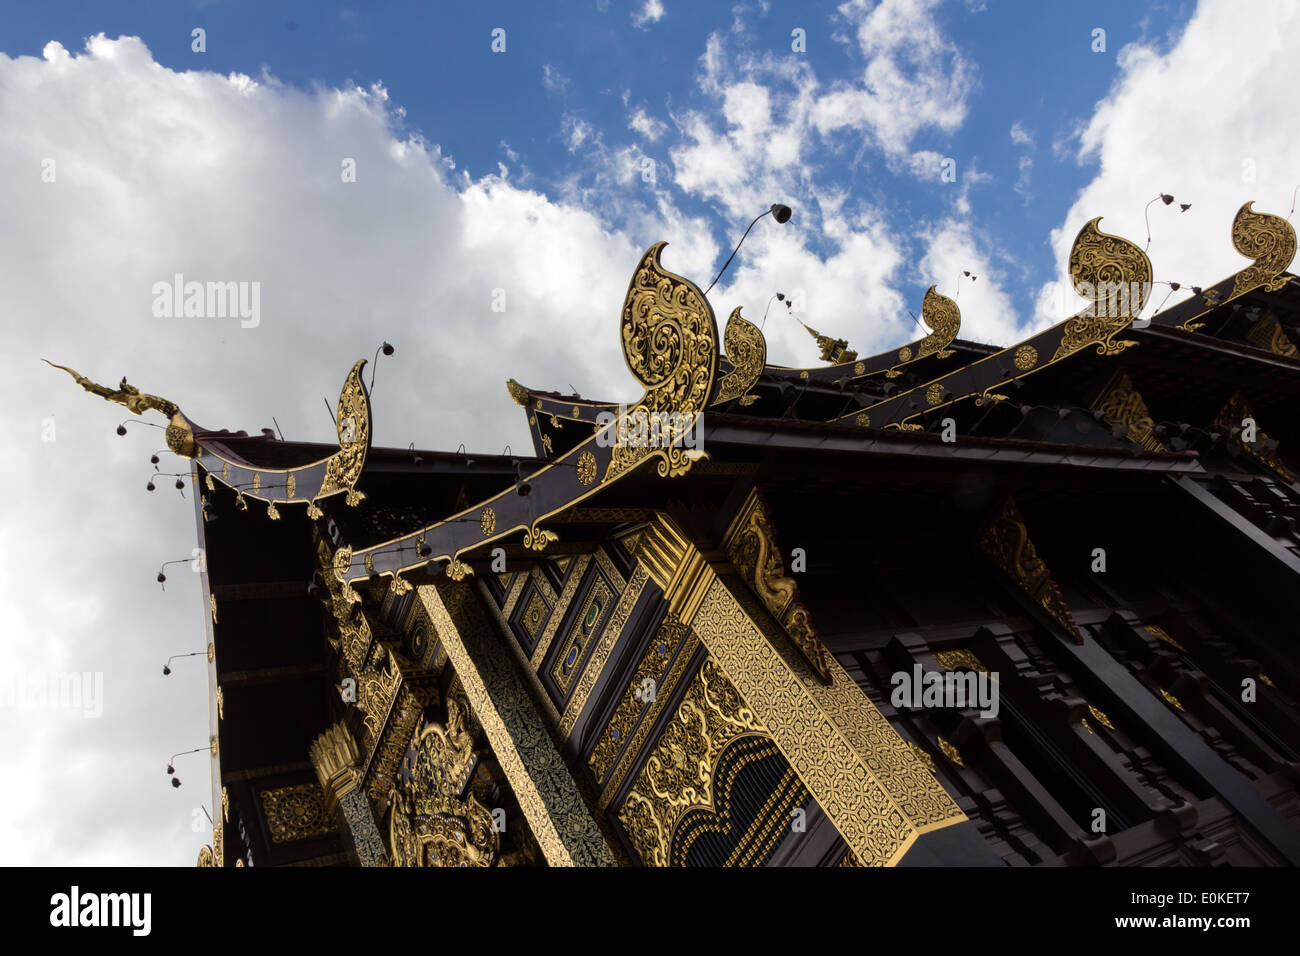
<point>1021,136</point>
<point>159,172</point>
<point>915,78</point>
<point>987,313</point>
<point>652,11</point>
<point>646,125</point>
<point>1214,138</point>
<point>553,80</point>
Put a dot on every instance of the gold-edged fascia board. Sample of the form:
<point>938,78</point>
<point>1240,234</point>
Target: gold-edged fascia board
<point>1121,404</point>
<point>939,313</point>
<point>338,473</point>
<point>1268,240</point>
<point>750,543</point>
<point>180,434</point>
<point>305,484</point>
<point>1113,273</point>
<point>1230,418</point>
<point>1005,541</point>
<point>679,380</point>
<point>1268,334</point>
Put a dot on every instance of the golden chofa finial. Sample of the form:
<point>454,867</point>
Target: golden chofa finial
<point>180,438</point>
<point>835,351</point>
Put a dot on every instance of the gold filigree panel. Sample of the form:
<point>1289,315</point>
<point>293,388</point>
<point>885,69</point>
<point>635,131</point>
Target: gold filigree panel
<point>296,813</point>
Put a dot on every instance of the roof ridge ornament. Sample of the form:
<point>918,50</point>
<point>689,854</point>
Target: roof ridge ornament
<point>670,345</point>
<point>180,435</point>
<point>747,353</point>
<point>1113,273</point>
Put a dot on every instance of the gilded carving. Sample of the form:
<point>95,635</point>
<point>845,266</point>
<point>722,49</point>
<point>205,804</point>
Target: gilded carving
<point>458,570</point>
<point>1026,357</point>
<point>179,437</point>
<point>536,539</point>
<point>1231,416</point>
<point>487,521</point>
<point>875,790</point>
<point>586,467</point>
<point>677,776</point>
<point>518,394</point>
<point>1116,276</point>
<point>747,352</point>
<point>942,315</point>
<point>636,698</point>
<point>951,752</point>
<point>352,420</point>
<point>1121,404</point>
<point>1005,541</point>
<point>542,784</point>
<point>951,660</point>
<point>613,631</point>
<point>1267,239</point>
<point>296,813</point>
<point>670,345</point>
<point>1269,335</point>
<point>435,820</point>
<point>750,542</point>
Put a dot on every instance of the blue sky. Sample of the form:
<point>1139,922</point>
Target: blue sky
<point>1029,65</point>
<point>522,178</point>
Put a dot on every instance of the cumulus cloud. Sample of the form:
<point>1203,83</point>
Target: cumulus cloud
<point>158,172</point>
<point>1213,138</point>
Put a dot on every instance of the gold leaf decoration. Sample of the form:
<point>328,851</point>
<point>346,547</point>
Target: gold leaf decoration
<point>487,521</point>
<point>1267,239</point>
<point>747,352</point>
<point>1026,357</point>
<point>1115,276</point>
<point>670,345</point>
<point>586,467</point>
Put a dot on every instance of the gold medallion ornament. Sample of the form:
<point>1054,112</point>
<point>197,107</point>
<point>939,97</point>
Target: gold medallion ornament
<point>747,352</point>
<point>905,354</point>
<point>863,419</point>
<point>487,521</point>
<point>586,467</point>
<point>859,368</point>
<point>670,345</point>
<point>1026,357</point>
<point>934,394</point>
<point>257,482</point>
